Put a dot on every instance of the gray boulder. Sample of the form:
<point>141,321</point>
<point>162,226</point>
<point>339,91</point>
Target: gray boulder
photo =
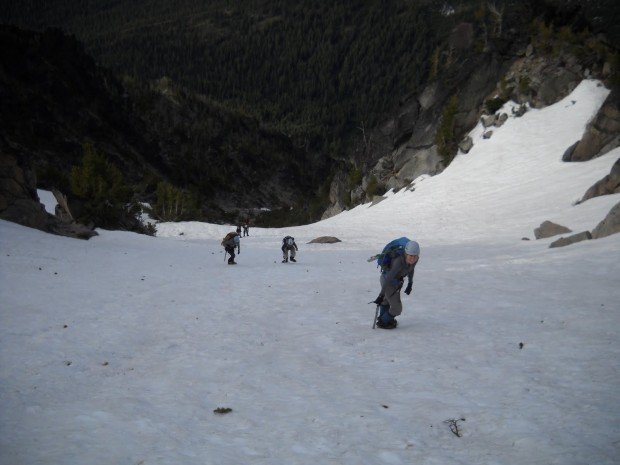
<point>603,134</point>
<point>610,184</point>
<point>325,240</point>
<point>501,119</point>
<point>488,120</point>
<point>610,225</point>
<point>564,241</point>
<point>487,135</point>
<point>466,144</point>
<point>549,229</point>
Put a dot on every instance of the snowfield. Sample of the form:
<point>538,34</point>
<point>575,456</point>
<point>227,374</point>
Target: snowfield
<point>117,350</point>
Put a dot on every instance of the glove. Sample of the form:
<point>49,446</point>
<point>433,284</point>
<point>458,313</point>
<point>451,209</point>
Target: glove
<point>408,289</point>
<point>378,300</point>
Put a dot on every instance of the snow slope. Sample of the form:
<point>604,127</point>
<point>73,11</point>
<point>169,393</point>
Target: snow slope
<point>118,349</point>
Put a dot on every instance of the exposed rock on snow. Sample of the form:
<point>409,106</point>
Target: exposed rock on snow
<point>610,184</point>
<point>610,225</point>
<point>19,201</point>
<point>325,240</point>
<point>564,241</point>
<point>603,134</point>
<point>549,229</point>
<point>466,144</point>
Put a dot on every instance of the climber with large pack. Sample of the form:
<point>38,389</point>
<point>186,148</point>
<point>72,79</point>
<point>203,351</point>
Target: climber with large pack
<point>289,245</point>
<point>230,241</point>
<point>397,261</point>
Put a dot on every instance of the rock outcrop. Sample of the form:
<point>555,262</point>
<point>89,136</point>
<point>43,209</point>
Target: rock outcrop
<point>610,225</point>
<point>325,240</point>
<point>549,229</point>
<point>610,184</point>
<point>564,241</point>
<point>20,204</point>
<point>534,75</point>
<point>18,198</point>
<point>602,134</point>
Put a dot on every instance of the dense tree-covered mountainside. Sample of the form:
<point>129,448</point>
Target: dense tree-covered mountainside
<point>260,102</point>
<point>316,69</point>
<point>55,100</point>
<point>320,68</point>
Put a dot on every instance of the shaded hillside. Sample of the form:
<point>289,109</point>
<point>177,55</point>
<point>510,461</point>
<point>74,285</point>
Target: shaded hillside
<point>317,70</point>
<point>352,92</point>
<point>55,99</point>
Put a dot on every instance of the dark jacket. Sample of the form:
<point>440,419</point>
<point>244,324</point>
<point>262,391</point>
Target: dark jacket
<point>285,246</point>
<point>395,275</point>
<point>230,244</point>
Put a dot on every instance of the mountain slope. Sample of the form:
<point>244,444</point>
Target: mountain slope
<point>119,349</point>
<point>501,190</point>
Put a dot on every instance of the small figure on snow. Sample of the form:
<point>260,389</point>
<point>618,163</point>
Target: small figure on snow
<point>239,230</point>
<point>230,241</point>
<point>246,229</point>
<point>288,244</point>
<point>392,279</point>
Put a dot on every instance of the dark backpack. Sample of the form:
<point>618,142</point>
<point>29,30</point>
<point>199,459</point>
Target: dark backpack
<point>391,250</point>
<point>228,236</point>
<point>288,241</point>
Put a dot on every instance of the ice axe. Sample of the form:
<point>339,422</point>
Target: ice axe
<point>374,322</point>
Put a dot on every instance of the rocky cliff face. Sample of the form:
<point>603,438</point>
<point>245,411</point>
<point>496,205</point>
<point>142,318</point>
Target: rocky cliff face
<point>529,71</point>
<point>20,204</point>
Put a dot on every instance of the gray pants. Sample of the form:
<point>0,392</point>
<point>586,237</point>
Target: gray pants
<point>285,252</point>
<point>392,297</point>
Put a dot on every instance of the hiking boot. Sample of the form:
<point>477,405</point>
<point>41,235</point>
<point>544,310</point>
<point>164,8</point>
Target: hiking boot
<point>285,260</point>
<point>293,260</point>
<point>232,262</point>
<point>390,325</point>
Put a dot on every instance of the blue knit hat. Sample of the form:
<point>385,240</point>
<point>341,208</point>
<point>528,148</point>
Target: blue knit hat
<point>412,248</point>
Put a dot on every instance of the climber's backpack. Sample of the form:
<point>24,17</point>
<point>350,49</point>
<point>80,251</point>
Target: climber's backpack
<point>228,236</point>
<point>391,250</point>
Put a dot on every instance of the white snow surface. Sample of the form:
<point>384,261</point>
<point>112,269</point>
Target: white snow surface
<point>117,350</point>
<point>48,200</point>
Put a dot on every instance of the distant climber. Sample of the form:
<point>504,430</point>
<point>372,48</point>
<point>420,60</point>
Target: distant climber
<point>289,245</point>
<point>230,241</point>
